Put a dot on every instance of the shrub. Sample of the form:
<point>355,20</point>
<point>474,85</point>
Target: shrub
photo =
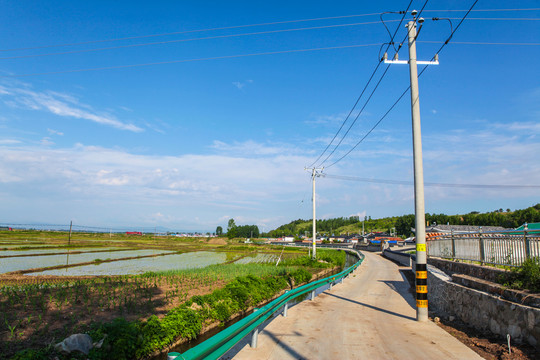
<point>526,276</point>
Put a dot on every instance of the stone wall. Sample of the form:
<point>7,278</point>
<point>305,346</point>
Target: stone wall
<point>479,309</point>
<point>482,310</point>
<point>482,272</point>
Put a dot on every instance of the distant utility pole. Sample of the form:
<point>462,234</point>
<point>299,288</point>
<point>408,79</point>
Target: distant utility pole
<point>419,210</point>
<point>70,226</point>
<point>315,172</point>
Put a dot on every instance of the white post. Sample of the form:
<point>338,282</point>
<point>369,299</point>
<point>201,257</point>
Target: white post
<point>254,338</point>
<point>419,210</point>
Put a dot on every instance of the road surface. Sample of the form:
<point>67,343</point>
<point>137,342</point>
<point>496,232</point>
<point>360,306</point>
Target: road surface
<point>370,316</point>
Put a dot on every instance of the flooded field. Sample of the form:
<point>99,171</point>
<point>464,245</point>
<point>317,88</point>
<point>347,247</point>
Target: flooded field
<point>191,260</point>
<point>55,250</point>
<point>141,279</point>
<point>32,262</point>
<point>139,266</point>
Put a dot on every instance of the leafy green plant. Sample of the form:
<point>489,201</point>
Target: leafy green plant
<point>526,276</point>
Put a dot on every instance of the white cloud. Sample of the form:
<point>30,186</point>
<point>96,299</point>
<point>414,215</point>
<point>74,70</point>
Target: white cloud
<point>9,142</point>
<point>251,148</point>
<point>182,187</point>
<point>55,132</point>
<point>46,141</point>
<point>241,85</point>
<point>22,96</point>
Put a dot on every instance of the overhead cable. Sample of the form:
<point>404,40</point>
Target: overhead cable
<point>450,185</point>
<point>239,27</point>
<point>363,90</point>
<point>481,43</point>
<point>186,32</point>
<point>404,92</point>
<point>186,40</point>
<point>188,60</point>
<point>367,101</point>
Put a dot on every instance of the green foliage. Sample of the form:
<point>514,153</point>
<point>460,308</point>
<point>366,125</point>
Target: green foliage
<point>403,224</point>
<point>325,258</point>
<point>300,276</point>
<point>335,257</point>
<point>31,354</point>
<point>526,276</point>
<point>247,231</point>
<point>121,341</point>
<point>132,340</point>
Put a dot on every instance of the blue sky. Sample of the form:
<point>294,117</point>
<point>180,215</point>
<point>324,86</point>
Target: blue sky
<point>187,145</point>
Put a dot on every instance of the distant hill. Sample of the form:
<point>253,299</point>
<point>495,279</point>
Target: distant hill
<point>404,223</point>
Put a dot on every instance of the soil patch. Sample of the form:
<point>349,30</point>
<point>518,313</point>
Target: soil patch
<point>217,241</point>
<point>487,345</point>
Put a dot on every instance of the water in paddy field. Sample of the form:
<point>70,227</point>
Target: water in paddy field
<point>54,250</point>
<point>43,260</point>
<point>191,260</point>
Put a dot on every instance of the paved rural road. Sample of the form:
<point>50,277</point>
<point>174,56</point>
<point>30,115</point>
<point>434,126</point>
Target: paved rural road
<point>370,316</point>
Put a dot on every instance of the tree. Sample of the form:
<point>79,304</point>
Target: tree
<point>230,225</point>
<point>219,231</point>
<point>231,229</point>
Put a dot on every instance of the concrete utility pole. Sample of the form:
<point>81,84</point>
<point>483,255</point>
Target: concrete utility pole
<point>419,210</point>
<point>314,174</point>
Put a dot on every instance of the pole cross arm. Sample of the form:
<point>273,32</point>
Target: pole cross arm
<point>436,62</point>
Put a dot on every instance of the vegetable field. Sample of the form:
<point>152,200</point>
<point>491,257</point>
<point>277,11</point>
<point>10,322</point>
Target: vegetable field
<point>43,307</point>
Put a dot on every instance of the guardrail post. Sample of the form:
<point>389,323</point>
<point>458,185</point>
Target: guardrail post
<point>527,242</point>
<point>312,296</point>
<point>254,338</point>
<point>285,308</point>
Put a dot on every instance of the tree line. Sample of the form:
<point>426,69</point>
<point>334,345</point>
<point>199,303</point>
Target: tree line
<point>244,231</point>
<point>404,223</point>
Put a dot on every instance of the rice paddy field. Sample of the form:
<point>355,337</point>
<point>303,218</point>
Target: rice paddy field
<point>52,286</point>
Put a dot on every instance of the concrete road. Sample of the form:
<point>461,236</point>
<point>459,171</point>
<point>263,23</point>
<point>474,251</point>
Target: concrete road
<point>370,316</point>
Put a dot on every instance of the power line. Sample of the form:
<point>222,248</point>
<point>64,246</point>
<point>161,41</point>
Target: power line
<point>363,90</point>
<point>188,32</point>
<point>367,101</point>
<point>481,43</point>
<point>188,60</point>
<point>186,40</point>
<point>500,19</point>
<point>484,10</point>
<point>357,116</point>
<point>450,185</point>
<point>238,27</point>
<point>404,92</point>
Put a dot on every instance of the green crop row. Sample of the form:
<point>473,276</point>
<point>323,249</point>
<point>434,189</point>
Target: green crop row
<point>246,286</point>
<point>131,340</point>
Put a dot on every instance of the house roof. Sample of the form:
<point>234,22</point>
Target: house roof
<point>461,228</point>
<point>531,226</point>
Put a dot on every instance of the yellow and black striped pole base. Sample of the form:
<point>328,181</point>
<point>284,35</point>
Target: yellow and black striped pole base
<point>421,286</point>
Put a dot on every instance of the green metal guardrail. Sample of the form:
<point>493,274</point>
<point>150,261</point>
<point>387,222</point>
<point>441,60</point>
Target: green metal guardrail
<point>220,343</point>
